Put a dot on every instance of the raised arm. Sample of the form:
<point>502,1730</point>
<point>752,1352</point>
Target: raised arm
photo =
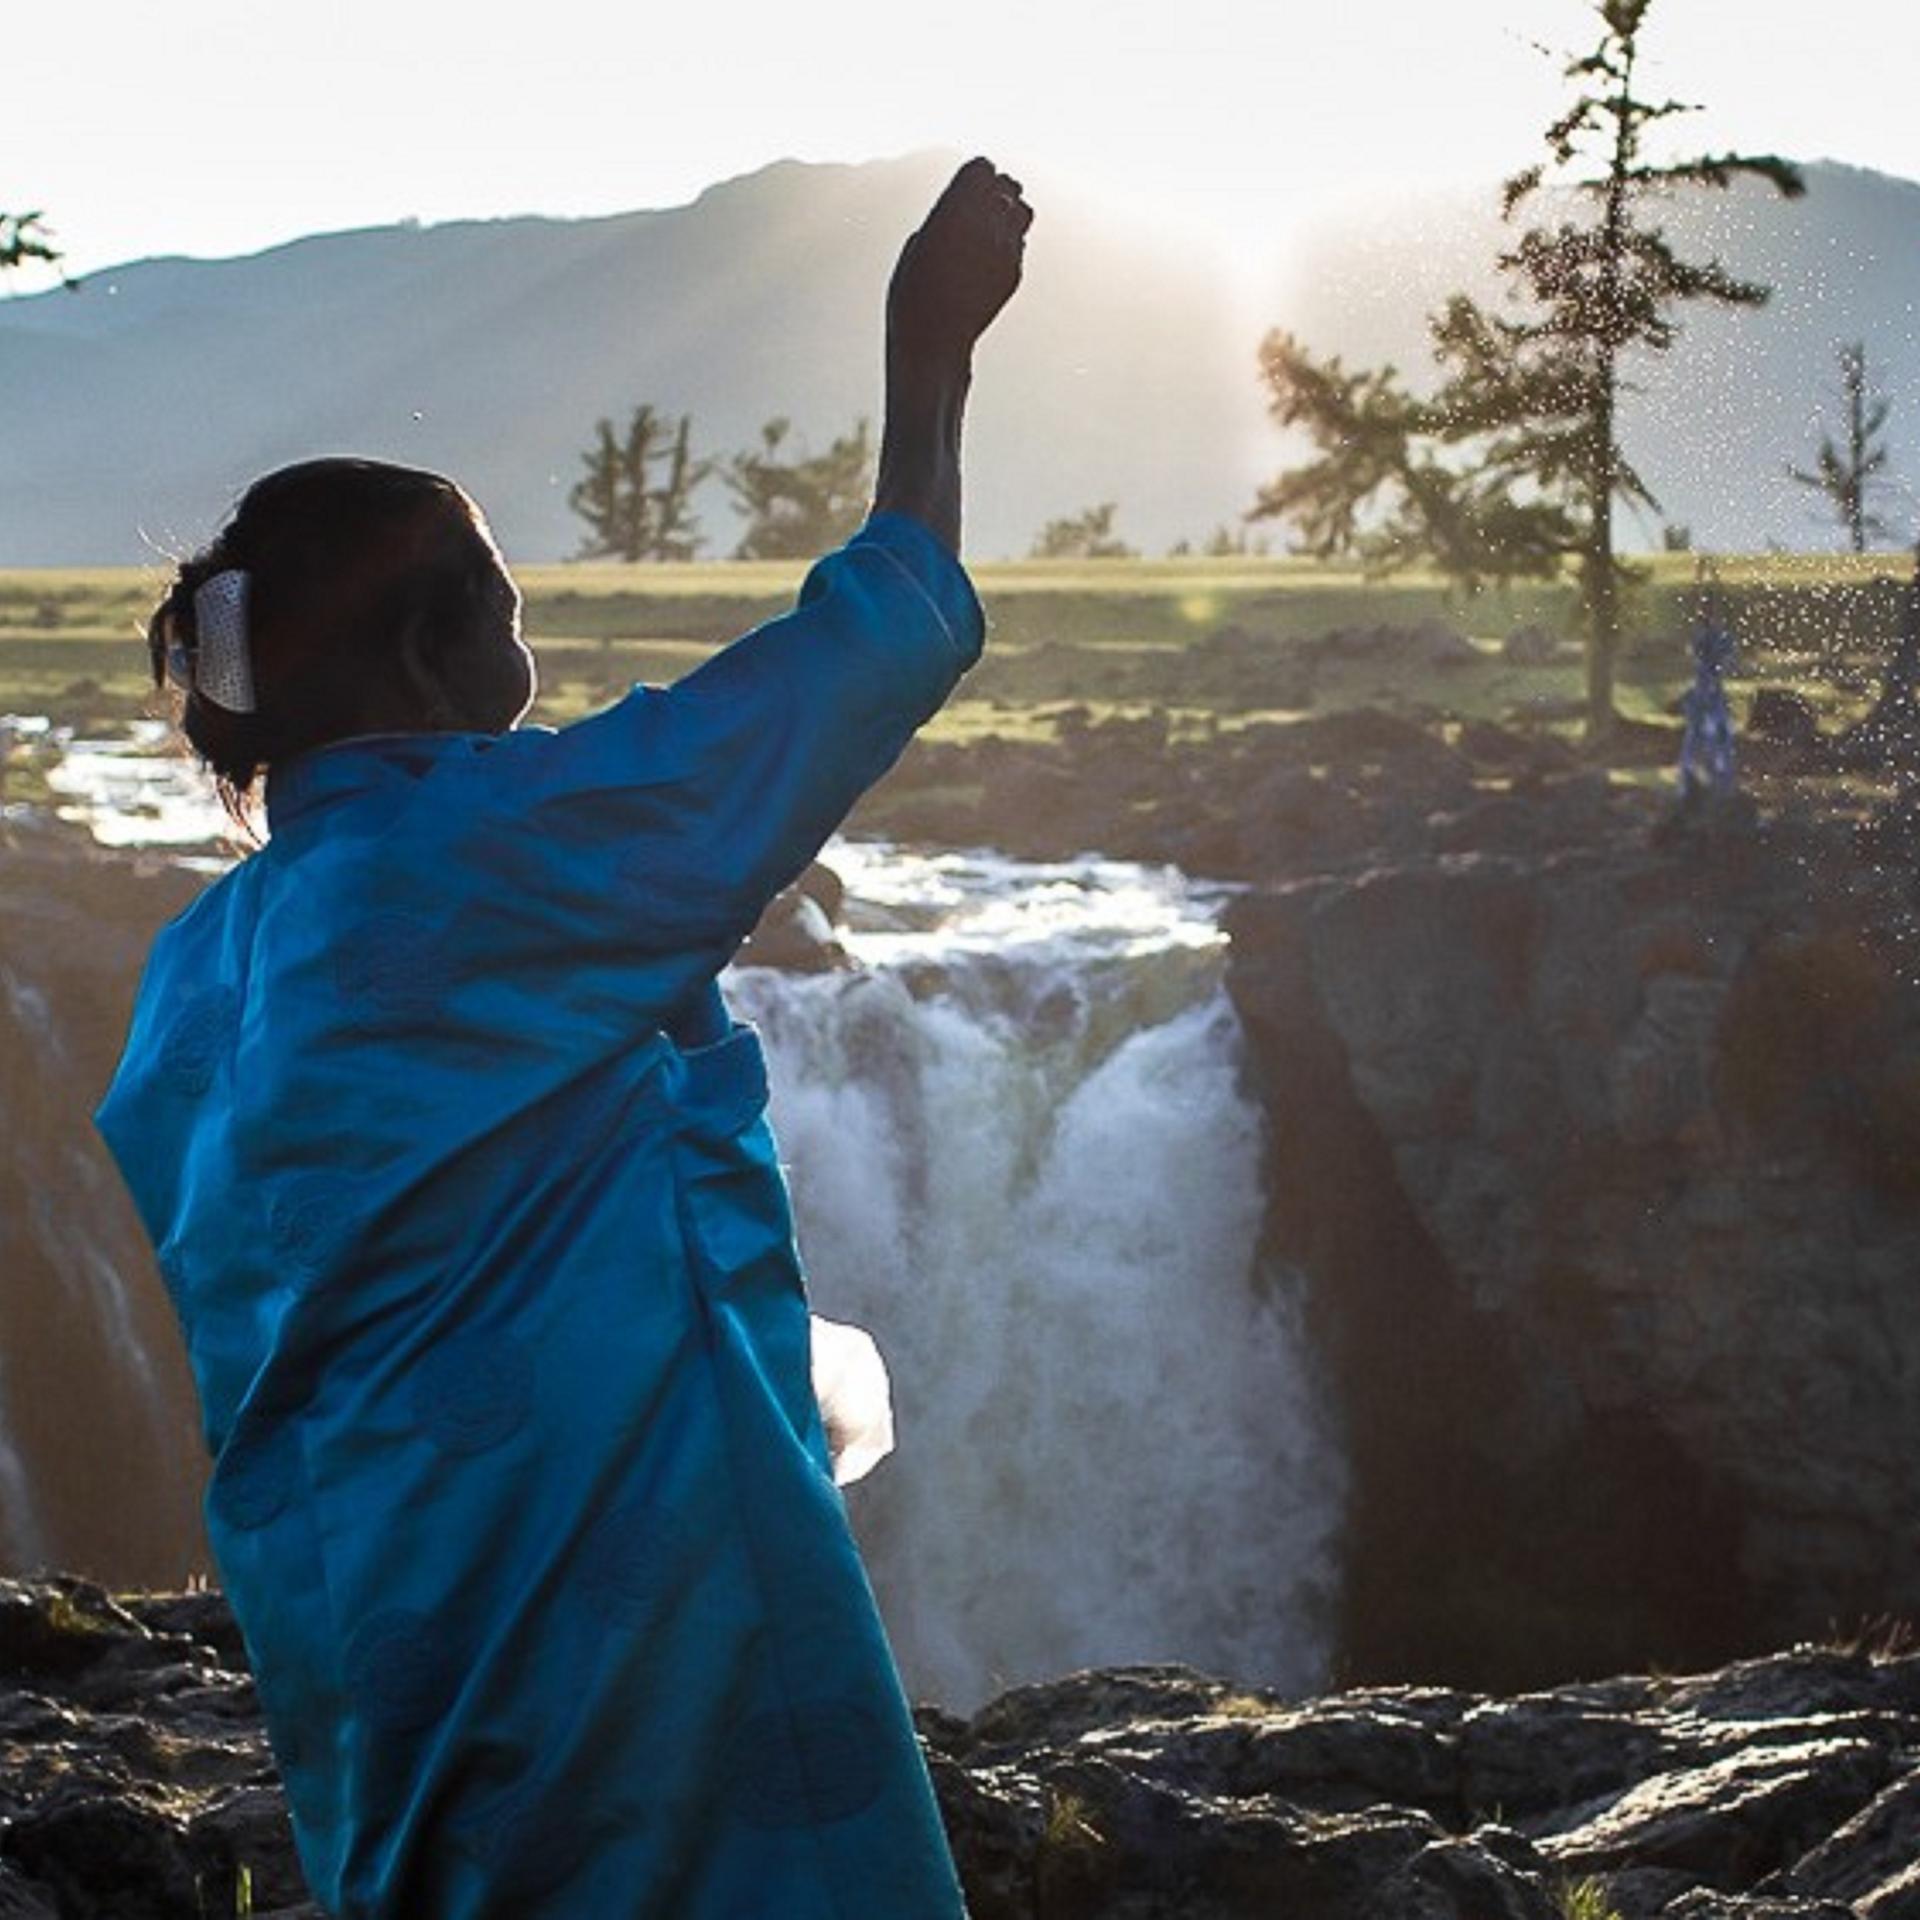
<point>683,810</point>
<point>954,275</point>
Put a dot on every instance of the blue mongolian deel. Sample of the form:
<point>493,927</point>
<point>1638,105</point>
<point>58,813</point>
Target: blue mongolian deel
<point>490,1290</point>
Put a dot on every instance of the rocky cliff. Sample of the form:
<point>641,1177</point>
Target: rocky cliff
<point>135,1783</point>
<point>1606,1165</point>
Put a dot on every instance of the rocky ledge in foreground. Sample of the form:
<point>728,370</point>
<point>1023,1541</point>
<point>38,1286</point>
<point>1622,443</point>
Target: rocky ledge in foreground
<point>137,1785</point>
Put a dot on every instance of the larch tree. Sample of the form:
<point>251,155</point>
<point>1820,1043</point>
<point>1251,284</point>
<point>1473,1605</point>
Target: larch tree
<point>636,494</point>
<point>1847,470</point>
<point>1082,536</point>
<point>1512,467</point>
<point>24,239</point>
<point>801,505</point>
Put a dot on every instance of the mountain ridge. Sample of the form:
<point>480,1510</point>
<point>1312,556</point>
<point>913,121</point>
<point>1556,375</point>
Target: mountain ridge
<point>137,408</point>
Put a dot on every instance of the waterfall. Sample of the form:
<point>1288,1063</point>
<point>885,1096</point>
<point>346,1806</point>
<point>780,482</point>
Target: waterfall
<point>1022,1157</point>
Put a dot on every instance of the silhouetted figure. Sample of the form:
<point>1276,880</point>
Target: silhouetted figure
<point>459,1173</point>
<point>1706,750</point>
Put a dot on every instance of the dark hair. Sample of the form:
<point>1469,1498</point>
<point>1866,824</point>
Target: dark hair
<point>344,560</point>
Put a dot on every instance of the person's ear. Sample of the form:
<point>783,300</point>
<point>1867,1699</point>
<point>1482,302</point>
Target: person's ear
<point>428,693</point>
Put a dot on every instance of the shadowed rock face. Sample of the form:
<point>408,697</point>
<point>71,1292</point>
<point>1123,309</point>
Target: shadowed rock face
<point>99,1461</point>
<point>1604,1167</point>
<point>135,1782</point>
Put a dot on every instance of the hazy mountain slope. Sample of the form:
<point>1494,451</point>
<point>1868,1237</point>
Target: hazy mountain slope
<point>138,406</point>
<point>147,399</point>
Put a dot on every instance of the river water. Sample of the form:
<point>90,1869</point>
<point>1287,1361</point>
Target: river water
<point>1022,1156</point>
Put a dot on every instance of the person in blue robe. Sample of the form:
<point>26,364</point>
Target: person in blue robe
<point>460,1178</point>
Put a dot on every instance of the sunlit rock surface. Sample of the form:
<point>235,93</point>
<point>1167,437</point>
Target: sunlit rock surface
<point>135,1783</point>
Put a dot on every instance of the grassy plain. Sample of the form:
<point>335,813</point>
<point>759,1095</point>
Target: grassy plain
<point>1107,637</point>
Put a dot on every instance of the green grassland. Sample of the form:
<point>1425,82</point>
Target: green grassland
<point>1110,636</point>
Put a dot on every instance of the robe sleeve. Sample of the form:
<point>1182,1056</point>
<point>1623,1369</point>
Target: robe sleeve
<point>673,817</point>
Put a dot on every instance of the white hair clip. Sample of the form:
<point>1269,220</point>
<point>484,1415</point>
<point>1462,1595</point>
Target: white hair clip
<point>223,662</point>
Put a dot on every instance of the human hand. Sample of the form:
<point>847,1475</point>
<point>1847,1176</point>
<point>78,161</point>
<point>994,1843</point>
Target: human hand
<point>960,267</point>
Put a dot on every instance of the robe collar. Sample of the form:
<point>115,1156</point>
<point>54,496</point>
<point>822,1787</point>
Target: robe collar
<point>311,780</point>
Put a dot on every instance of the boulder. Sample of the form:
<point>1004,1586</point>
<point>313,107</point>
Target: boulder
<point>797,933</point>
<point>1733,1821</point>
<point>1530,645</point>
<point>1784,717</point>
<point>1436,643</point>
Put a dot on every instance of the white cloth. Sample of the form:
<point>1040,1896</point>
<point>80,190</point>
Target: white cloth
<point>856,1401</point>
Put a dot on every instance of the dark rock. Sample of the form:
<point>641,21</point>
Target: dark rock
<point>97,1854</point>
<point>1638,1893</point>
<point>1495,748</point>
<point>822,885</point>
<point>1702,1905</point>
<point>998,1821</point>
<point>1144,1793</point>
<point>1522,1757</point>
<point>1530,646</point>
<point>1784,717</point>
<point>201,1616</point>
<point>1895,1899</point>
<point>1490,1875</point>
<point>1436,644</point>
<point>249,1830</point>
<point>1093,1701</point>
<point>796,935</point>
<point>20,1900</point>
<point>60,1629</point>
<point>1730,1823</point>
<point>1867,1853</point>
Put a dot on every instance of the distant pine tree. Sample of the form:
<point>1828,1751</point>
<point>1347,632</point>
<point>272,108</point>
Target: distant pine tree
<point>804,505</point>
<point>631,515</point>
<point>1845,472</point>
<point>1082,536</point>
<point>1513,466</point>
<point>23,238</point>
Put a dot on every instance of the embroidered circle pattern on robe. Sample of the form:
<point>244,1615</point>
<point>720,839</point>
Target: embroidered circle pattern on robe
<point>529,1837</point>
<point>256,1475</point>
<point>389,964</point>
<point>400,1669</point>
<point>303,1221</point>
<point>474,1392</point>
<point>819,1760</point>
<point>620,1560</point>
<point>201,1036</point>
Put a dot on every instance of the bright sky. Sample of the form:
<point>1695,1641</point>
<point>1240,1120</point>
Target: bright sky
<point>220,126</point>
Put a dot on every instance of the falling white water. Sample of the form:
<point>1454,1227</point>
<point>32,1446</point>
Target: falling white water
<point>1022,1157</point>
